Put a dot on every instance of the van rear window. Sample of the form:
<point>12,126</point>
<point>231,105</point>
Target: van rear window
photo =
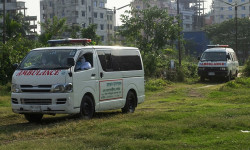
<point>118,62</point>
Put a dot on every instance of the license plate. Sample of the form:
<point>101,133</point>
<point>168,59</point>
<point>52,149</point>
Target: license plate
<point>35,108</point>
<point>211,73</point>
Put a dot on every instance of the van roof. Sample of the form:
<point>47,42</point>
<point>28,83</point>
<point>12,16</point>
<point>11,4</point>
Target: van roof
<point>219,49</point>
<point>85,47</point>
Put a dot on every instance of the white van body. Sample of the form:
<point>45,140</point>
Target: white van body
<point>115,72</point>
<point>218,62</point>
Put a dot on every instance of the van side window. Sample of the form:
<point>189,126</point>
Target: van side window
<point>84,62</point>
<point>119,62</point>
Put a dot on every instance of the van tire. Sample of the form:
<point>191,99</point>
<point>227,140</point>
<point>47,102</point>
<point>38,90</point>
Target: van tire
<point>33,118</point>
<point>87,108</point>
<point>130,103</point>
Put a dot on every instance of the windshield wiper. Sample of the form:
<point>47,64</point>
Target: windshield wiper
<point>59,68</point>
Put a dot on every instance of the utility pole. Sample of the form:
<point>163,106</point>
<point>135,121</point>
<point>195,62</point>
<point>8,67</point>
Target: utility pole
<point>179,33</point>
<point>4,25</point>
<point>235,5</point>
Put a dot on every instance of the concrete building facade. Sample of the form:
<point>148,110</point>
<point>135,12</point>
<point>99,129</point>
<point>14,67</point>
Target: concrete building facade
<point>171,6</point>
<point>222,11</point>
<point>81,12</point>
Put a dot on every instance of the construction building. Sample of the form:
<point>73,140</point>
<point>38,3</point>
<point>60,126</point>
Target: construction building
<point>82,13</point>
<point>12,7</point>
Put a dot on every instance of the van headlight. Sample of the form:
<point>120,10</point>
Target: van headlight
<point>201,68</point>
<point>62,88</point>
<point>15,88</point>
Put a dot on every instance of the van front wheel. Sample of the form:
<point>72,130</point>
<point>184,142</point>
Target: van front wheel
<point>87,109</point>
<point>33,118</point>
<point>130,103</point>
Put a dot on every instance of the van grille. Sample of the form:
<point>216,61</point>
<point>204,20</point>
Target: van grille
<point>39,88</point>
<point>61,101</point>
<point>36,101</point>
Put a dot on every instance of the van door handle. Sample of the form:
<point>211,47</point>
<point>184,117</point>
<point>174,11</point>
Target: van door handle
<point>101,74</point>
<point>93,75</point>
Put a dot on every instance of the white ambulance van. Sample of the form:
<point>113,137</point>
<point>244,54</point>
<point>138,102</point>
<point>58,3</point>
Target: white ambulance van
<point>52,80</point>
<point>218,61</point>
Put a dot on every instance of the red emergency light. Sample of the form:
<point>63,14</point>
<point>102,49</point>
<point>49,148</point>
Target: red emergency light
<point>69,41</point>
<point>213,46</point>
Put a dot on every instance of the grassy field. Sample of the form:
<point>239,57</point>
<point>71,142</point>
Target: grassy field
<point>180,116</point>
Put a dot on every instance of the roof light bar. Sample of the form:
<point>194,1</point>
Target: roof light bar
<point>212,46</point>
<point>69,41</point>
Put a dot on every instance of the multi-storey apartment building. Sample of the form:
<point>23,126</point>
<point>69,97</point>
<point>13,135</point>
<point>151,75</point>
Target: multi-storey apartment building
<point>171,6</point>
<point>223,11</point>
<point>81,12</point>
<point>12,7</point>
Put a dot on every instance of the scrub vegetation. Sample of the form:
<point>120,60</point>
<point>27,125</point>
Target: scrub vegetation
<point>174,116</point>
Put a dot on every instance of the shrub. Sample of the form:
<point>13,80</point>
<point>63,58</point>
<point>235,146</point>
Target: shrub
<point>246,69</point>
<point>156,84</point>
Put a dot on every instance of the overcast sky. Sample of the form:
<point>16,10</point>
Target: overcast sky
<point>34,8</point>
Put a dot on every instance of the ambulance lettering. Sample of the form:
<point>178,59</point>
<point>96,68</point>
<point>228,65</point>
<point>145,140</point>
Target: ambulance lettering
<point>212,64</point>
<point>38,73</point>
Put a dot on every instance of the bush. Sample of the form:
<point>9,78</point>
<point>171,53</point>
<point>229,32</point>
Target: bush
<point>246,69</point>
<point>239,82</point>
<point>5,89</point>
<point>156,84</point>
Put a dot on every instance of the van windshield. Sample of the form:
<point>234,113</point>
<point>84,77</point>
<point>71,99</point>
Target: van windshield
<point>214,56</point>
<point>47,60</point>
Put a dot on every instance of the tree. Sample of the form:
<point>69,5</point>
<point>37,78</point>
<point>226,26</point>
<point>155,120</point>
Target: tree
<point>16,26</point>
<point>151,30</point>
<point>224,33</point>
<point>13,51</point>
<point>90,33</point>
<point>52,29</point>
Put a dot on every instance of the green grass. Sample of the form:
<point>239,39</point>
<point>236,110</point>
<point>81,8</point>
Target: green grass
<point>179,116</point>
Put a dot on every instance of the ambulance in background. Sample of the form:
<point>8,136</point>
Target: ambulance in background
<point>49,80</point>
<point>218,61</point>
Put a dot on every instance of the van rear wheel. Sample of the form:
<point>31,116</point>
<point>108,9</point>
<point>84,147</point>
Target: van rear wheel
<point>130,103</point>
<point>87,108</point>
<point>33,118</point>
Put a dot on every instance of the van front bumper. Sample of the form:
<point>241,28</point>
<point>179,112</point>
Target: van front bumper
<point>212,73</point>
<point>44,103</point>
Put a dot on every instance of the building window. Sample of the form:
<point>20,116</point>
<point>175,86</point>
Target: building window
<point>221,8</point>
<point>51,16</point>
<point>95,15</point>
<point>76,13</point>
<point>138,7</point>
<point>110,17</point>
<point>107,17</point>
<point>230,8</point>
<point>243,8</point>
<point>188,26</point>
<point>90,20</point>
<point>83,25</point>
<point>230,16</point>
<point>101,15</point>
<point>110,26</point>
<point>95,3</point>
<point>243,15</point>
<point>83,2</point>
<point>102,26</point>
<point>101,4</point>
<point>242,0</point>
<point>230,1</point>
<point>50,4</point>
<point>102,37</point>
<point>187,17</point>
<point>222,16</point>
<point>89,9</point>
<point>83,13</point>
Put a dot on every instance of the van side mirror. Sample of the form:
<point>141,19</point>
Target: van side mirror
<point>70,61</point>
<point>15,66</point>
<point>198,58</point>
